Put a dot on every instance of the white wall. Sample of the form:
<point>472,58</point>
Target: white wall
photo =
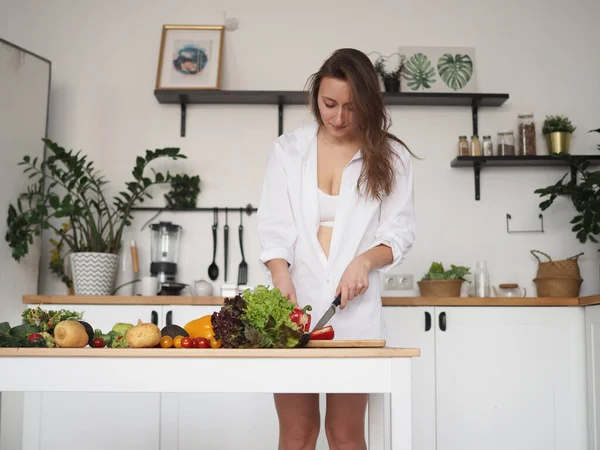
<point>543,54</point>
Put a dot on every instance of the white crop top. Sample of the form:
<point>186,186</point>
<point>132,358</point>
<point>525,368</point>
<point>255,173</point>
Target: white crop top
<point>328,205</point>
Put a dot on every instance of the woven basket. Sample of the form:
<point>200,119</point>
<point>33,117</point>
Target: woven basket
<point>568,268</point>
<point>558,286</point>
<point>440,288</point>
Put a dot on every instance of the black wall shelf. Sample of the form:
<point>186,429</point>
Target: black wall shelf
<point>281,98</point>
<point>477,162</point>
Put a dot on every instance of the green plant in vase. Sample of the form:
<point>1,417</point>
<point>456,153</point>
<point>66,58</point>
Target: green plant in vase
<point>391,78</point>
<point>583,189</point>
<point>67,187</point>
<point>184,192</point>
<point>557,132</point>
<point>440,282</point>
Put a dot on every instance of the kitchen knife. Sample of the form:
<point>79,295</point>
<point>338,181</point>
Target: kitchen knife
<point>329,313</point>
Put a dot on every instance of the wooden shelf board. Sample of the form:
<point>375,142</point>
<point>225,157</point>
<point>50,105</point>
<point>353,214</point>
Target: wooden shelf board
<point>386,301</point>
<point>301,98</point>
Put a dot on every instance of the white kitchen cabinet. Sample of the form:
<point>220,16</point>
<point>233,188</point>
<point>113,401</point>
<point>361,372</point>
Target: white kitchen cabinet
<point>414,327</point>
<point>592,330</point>
<point>510,378</point>
<point>95,421</point>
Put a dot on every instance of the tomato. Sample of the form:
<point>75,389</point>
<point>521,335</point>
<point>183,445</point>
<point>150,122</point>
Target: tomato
<point>34,337</point>
<point>214,343</point>
<point>98,342</point>
<point>323,334</point>
<point>186,342</point>
<point>177,341</point>
<point>166,342</point>
<point>201,343</point>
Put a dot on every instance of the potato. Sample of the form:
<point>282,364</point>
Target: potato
<point>70,334</point>
<point>143,335</point>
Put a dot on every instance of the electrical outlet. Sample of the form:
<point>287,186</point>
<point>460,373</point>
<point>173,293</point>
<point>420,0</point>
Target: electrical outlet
<point>398,282</point>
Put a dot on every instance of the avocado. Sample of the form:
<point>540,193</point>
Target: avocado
<point>174,330</point>
<point>89,330</point>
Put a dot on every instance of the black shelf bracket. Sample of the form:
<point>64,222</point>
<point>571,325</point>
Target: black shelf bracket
<point>474,114</point>
<point>280,121</point>
<point>476,174</point>
<point>508,230</point>
<point>183,103</point>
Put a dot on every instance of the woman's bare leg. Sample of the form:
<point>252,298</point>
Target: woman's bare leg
<point>299,421</point>
<point>345,421</point>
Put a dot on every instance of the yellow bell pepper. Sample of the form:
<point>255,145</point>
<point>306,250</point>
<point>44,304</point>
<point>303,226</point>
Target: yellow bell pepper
<point>201,327</point>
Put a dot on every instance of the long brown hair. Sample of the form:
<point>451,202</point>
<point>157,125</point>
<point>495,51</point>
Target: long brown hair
<point>373,122</point>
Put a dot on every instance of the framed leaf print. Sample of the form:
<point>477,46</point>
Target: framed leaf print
<point>190,57</point>
<point>439,69</point>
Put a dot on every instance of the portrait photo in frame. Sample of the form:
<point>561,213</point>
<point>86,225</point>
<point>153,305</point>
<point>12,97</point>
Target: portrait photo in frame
<point>190,57</point>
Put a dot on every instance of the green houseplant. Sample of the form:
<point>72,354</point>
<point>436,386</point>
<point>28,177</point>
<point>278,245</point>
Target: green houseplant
<point>391,79</point>
<point>68,188</point>
<point>439,282</point>
<point>557,132</point>
<point>184,192</point>
<point>583,189</point>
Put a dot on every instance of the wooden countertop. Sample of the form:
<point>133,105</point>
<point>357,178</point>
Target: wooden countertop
<point>387,301</point>
<point>386,352</point>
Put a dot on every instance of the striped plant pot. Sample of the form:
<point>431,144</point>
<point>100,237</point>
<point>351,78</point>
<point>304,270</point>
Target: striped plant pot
<point>94,273</point>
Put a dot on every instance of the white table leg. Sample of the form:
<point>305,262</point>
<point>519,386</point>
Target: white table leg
<point>401,404</point>
<point>377,425</point>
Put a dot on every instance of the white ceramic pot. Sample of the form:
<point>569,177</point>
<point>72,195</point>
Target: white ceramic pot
<point>203,288</point>
<point>94,273</point>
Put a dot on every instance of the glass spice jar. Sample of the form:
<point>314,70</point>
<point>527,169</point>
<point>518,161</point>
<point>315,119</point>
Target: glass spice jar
<point>487,146</point>
<point>506,143</point>
<point>475,146</point>
<point>526,134</point>
<point>463,146</point>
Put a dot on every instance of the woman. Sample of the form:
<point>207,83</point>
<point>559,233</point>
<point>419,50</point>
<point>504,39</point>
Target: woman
<point>336,208</point>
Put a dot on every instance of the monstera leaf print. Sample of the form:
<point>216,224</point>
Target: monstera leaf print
<point>419,73</point>
<point>455,70</point>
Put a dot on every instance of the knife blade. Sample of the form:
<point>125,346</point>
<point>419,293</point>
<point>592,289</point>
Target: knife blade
<point>329,313</point>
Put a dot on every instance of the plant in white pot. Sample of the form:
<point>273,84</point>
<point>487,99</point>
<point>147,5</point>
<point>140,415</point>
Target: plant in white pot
<point>557,131</point>
<point>67,187</point>
<point>438,282</point>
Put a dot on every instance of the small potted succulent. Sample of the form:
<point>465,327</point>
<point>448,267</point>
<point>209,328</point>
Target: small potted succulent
<point>438,282</point>
<point>391,79</point>
<point>557,131</point>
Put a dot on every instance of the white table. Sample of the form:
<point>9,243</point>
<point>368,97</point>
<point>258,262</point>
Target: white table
<point>377,371</point>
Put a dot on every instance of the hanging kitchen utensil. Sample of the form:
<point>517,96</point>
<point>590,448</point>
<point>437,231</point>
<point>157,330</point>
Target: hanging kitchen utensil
<point>213,269</point>
<point>243,268</point>
<point>226,243</point>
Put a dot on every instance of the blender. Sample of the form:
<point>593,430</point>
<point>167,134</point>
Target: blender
<point>164,248</point>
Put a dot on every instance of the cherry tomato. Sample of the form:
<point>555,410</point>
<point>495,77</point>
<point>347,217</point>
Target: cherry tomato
<point>186,342</point>
<point>166,342</point>
<point>98,342</point>
<point>34,337</point>
<point>201,343</point>
<point>177,341</point>
<point>214,343</point>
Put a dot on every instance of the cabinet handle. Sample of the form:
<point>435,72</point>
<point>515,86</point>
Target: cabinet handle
<point>427,321</point>
<point>154,318</point>
<point>170,318</point>
<point>443,321</point>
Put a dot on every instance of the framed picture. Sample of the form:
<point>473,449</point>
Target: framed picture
<point>439,69</point>
<point>190,57</point>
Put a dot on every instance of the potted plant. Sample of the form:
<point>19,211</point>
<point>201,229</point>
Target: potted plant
<point>438,282</point>
<point>391,79</point>
<point>557,131</point>
<point>583,188</point>
<point>184,192</point>
<point>68,188</point>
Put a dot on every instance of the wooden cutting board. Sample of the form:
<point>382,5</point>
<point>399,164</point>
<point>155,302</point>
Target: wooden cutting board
<point>347,344</point>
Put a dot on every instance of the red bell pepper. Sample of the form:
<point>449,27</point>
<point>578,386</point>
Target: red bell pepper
<point>323,334</point>
<point>301,318</point>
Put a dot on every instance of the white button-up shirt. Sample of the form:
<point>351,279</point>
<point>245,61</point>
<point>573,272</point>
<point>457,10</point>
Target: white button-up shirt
<point>288,221</point>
